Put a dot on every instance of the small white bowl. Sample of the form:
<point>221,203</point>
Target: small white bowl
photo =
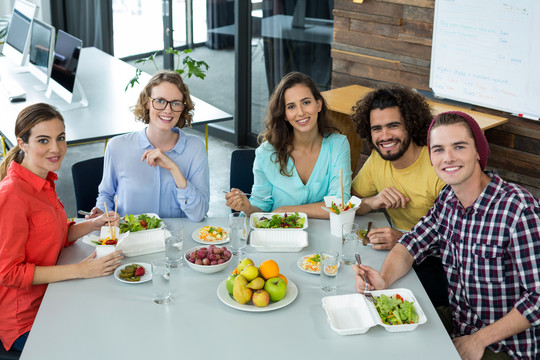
<point>205,269</point>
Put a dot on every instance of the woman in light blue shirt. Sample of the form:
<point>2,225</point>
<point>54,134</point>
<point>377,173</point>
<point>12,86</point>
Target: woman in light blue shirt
<point>159,169</point>
<point>301,156</point>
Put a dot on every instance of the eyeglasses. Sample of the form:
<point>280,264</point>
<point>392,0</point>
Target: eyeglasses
<point>160,104</point>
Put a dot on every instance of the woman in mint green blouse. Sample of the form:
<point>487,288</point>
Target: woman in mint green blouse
<point>301,154</point>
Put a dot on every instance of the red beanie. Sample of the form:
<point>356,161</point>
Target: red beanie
<point>482,145</point>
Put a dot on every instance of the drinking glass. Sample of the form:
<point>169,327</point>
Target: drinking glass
<point>161,276</point>
<point>349,242</point>
<point>329,270</point>
<point>238,232</point>
<point>173,249</point>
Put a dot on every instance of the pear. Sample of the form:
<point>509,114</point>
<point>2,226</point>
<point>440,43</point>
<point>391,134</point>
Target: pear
<point>241,293</point>
<point>243,263</point>
<point>256,284</point>
<point>250,272</point>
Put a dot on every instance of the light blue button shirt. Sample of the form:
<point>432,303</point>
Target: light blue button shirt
<point>142,188</point>
<point>335,154</point>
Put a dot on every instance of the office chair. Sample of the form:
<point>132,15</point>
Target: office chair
<point>9,355</point>
<point>87,176</point>
<point>241,176</point>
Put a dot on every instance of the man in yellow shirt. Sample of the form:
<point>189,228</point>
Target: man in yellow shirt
<point>398,175</point>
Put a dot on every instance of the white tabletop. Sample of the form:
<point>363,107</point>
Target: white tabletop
<point>105,319</point>
<point>103,79</point>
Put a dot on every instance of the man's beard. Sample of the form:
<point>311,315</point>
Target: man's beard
<point>402,149</point>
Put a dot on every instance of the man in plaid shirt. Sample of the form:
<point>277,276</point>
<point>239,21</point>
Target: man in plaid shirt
<point>488,234</point>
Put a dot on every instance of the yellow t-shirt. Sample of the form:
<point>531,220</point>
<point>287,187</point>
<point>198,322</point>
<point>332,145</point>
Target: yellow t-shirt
<point>418,182</point>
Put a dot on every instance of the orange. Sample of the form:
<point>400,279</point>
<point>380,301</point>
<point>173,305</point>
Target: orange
<point>235,271</point>
<point>269,269</point>
<point>284,278</point>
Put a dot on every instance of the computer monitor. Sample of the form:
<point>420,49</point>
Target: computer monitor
<point>16,45</point>
<point>65,63</point>
<point>41,50</point>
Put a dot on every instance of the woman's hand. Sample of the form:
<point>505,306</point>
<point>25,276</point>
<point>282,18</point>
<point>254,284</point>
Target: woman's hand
<point>92,267</point>
<point>156,157</point>
<point>104,219</point>
<point>237,201</point>
<point>94,213</point>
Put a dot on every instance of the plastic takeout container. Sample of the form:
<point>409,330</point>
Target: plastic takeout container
<point>337,221</point>
<point>279,240</point>
<point>353,314</point>
<point>258,215</point>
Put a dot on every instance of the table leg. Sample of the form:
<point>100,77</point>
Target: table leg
<point>206,137</point>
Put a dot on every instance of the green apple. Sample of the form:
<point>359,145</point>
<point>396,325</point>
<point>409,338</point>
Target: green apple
<point>243,263</point>
<point>230,283</point>
<point>276,288</point>
<point>250,272</point>
<point>260,298</point>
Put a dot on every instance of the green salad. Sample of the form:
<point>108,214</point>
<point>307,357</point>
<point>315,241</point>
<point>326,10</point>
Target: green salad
<point>292,221</point>
<point>395,310</point>
<point>137,223</point>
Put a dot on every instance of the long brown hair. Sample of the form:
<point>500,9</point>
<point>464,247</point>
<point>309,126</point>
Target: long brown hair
<point>143,114</point>
<point>278,132</point>
<point>26,120</point>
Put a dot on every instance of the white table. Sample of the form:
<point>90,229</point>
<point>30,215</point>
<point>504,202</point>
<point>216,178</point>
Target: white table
<point>105,319</point>
<point>103,79</point>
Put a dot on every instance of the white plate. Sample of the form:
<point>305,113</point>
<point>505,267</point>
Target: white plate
<point>195,237</point>
<point>301,260</point>
<point>223,295</point>
<point>146,277</point>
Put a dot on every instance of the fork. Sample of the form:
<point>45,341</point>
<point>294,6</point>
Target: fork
<point>367,292</point>
<point>258,197</point>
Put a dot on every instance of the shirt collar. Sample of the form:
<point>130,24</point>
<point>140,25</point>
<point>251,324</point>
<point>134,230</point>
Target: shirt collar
<point>145,143</point>
<point>482,203</point>
<point>35,181</point>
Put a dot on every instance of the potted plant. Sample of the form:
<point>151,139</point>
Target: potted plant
<point>185,65</point>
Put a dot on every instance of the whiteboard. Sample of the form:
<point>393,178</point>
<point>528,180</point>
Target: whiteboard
<point>487,53</point>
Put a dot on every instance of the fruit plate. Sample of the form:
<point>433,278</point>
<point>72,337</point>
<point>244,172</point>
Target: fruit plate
<point>259,215</point>
<point>353,314</point>
<point>223,295</point>
<point>300,262</point>
<point>146,277</point>
<point>278,240</point>
<point>196,238</point>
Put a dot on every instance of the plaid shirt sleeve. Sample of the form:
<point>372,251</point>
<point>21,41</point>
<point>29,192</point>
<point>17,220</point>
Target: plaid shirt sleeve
<point>526,250</point>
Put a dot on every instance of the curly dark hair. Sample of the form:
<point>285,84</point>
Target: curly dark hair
<point>143,114</point>
<point>414,109</point>
<point>278,132</point>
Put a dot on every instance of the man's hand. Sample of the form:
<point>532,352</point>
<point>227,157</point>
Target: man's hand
<point>389,198</point>
<point>94,213</point>
<point>468,348</point>
<point>373,277</point>
<point>384,238</point>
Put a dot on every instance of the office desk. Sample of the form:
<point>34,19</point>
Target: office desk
<point>103,79</point>
<point>341,101</point>
<point>104,319</point>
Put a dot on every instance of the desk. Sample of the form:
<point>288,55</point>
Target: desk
<point>104,319</point>
<point>342,100</point>
<point>103,79</point>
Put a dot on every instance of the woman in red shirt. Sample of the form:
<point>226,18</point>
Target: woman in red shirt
<point>34,226</point>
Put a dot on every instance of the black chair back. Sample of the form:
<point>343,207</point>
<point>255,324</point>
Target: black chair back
<point>241,176</point>
<point>87,176</point>
<point>9,355</point>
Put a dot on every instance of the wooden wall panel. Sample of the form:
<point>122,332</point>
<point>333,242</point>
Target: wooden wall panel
<point>383,42</point>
